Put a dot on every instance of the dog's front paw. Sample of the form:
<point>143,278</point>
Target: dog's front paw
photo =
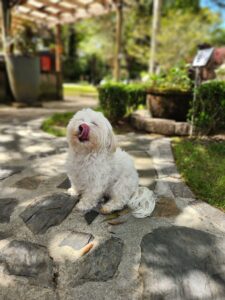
<point>105,210</point>
<point>72,192</point>
<point>83,207</point>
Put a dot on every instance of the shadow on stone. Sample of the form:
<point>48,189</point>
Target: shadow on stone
<point>7,206</point>
<point>48,211</point>
<point>182,263</point>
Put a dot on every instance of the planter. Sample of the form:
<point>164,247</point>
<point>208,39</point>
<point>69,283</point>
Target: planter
<point>169,105</point>
<point>24,77</point>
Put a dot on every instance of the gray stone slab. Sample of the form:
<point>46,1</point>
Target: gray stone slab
<point>182,263</point>
<point>77,240</point>
<point>7,206</point>
<point>22,258</point>
<point>100,264</point>
<point>5,172</point>
<point>65,184</point>
<point>30,183</point>
<point>179,189</point>
<point>48,211</point>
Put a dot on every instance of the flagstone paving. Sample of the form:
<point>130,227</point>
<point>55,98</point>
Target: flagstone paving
<point>48,250</point>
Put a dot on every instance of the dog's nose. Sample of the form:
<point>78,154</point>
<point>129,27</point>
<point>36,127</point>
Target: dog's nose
<point>83,132</point>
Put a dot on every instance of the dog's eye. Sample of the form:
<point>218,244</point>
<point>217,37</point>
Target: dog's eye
<point>94,123</point>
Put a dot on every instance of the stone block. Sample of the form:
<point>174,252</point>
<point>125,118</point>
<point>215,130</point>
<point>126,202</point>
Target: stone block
<point>160,126</point>
<point>182,128</point>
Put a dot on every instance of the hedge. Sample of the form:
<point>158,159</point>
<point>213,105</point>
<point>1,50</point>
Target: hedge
<point>120,99</point>
<point>209,108</point>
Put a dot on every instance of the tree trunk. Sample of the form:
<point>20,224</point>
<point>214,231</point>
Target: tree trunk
<point>119,23</point>
<point>155,29</point>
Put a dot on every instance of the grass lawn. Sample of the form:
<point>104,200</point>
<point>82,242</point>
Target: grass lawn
<point>70,89</point>
<point>202,165</point>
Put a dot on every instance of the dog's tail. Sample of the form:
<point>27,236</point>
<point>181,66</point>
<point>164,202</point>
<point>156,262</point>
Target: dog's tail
<point>142,202</point>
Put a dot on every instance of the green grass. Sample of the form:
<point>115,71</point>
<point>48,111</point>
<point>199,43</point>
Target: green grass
<point>56,124</point>
<point>202,165</point>
<point>79,90</point>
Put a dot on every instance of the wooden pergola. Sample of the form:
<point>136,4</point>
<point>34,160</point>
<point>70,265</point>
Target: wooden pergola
<point>54,13</point>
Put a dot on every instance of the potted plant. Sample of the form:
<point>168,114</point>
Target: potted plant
<point>169,95</point>
<point>23,66</point>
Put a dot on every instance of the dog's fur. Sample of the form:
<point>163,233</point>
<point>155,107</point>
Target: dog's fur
<point>96,167</point>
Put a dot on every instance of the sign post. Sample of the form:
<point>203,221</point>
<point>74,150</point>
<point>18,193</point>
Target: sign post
<point>201,60</point>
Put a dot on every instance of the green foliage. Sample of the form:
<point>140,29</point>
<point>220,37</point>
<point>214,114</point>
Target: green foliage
<point>181,32</point>
<point>202,164</point>
<point>25,40</point>
<point>176,79</point>
<point>119,99</point>
<point>209,108</point>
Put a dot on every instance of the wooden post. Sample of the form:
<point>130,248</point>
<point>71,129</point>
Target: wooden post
<point>155,28</point>
<point>118,47</point>
<point>6,18</point>
<point>58,64</point>
<point>197,83</point>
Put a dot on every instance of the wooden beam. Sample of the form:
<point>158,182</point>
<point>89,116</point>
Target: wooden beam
<point>47,3</point>
<point>118,46</point>
<point>41,10</point>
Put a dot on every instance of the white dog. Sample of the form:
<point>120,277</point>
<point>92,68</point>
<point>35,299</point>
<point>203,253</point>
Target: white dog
<point>96,167</point>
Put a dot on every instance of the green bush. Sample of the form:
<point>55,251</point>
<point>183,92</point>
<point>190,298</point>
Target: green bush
<point>176,79</point>
<point>209,108</point>
<point>120,99</point>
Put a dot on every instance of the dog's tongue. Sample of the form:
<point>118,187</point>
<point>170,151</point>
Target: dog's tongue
<point>84,132</point>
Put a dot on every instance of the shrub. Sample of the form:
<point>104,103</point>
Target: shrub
<point>176,79</point>
<point>209,108</point>
<point>119,99</point>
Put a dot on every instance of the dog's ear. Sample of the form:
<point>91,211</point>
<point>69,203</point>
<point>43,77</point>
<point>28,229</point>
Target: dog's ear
<point>111,142</point>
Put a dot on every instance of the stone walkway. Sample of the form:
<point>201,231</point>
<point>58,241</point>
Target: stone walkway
<point>49,251</point>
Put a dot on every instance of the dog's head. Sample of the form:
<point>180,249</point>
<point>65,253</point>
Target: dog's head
<point>90,131</point>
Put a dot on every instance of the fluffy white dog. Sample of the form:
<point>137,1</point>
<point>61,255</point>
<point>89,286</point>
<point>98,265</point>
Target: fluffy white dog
<point>95,166</point>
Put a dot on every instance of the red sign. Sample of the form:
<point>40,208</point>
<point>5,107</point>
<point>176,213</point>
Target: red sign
<point>46,63</point>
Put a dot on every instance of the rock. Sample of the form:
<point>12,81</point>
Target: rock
<point>182,128</point>
<point>166,207</point>
<point>7,206</point>
<point>9,171</point>
<point>30,183</point>
<point>48,211</point>
<point>161,126</point>
<point>65,184</point>
<point>182,263</point>
<point>77,240</point>
<point>91,216</point>
<point>179,188</point>
<point>100,264</point>
<point>22,258</point>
